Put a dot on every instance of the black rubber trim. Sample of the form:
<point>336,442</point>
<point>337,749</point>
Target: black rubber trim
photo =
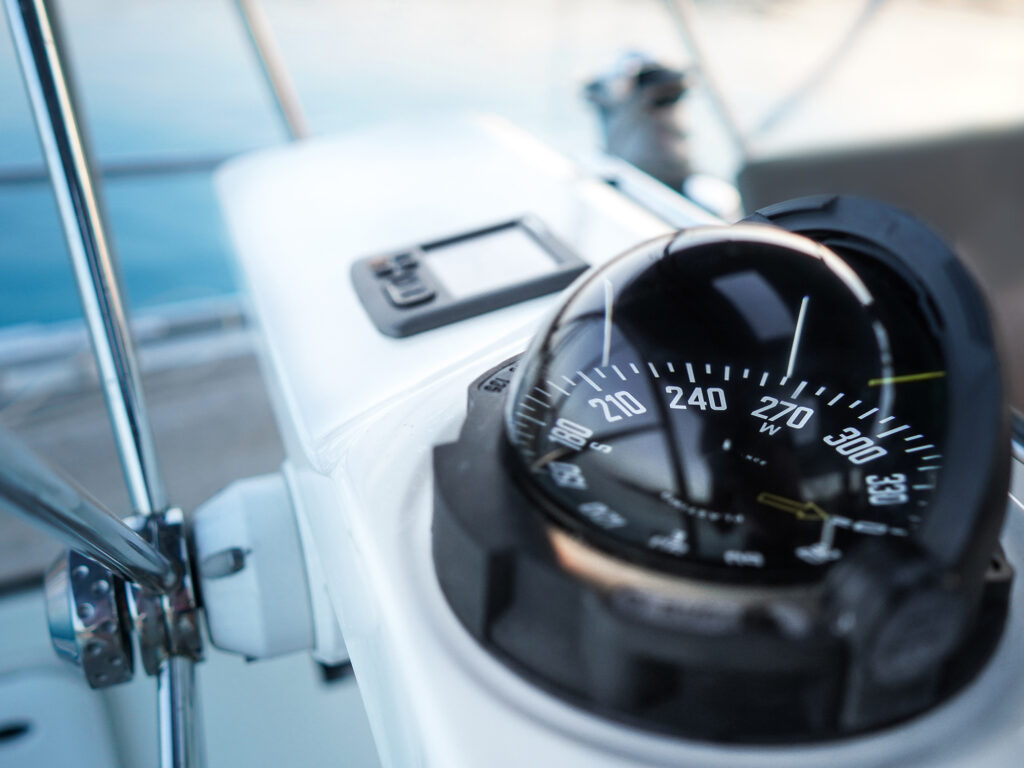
<point>430,306</point>
<point>699,670</point>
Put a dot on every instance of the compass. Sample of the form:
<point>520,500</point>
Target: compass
<point>745,484</point>
<point>747,406</point>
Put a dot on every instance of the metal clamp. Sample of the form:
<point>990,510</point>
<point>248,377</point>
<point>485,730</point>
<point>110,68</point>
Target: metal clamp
<point>89,622</point>
<point>38,46</point>
<point>167,624</point>
<point>92,611</point>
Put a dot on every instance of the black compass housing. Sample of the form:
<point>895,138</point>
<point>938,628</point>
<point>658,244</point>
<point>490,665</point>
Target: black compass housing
<point>866,631</point>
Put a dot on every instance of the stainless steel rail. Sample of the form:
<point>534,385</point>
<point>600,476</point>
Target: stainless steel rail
<point>36,42</point>
<point>123,169</point>
<point>30,488</point>
<point>78,202</point>
<point>179,738</point>
<point>282,88</point>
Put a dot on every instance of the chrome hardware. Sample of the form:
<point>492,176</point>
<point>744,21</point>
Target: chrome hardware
<point>32,489</point>
<point>38,46</point>
<point>89,622</point>
<point>167,624</point>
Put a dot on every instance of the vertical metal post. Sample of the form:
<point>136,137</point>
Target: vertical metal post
<point>64,147</point>
<point>179,738</point>
<point>37,44</point>
<point>282,89</point>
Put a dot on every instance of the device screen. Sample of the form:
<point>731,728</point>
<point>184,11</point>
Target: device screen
<point>488,262</point>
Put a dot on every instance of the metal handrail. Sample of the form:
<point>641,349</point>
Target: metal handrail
<point>279,81</point>
<point>78,201</point>
<point>124,169</point>
<point>36,42</point>
<point>33,490</point>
